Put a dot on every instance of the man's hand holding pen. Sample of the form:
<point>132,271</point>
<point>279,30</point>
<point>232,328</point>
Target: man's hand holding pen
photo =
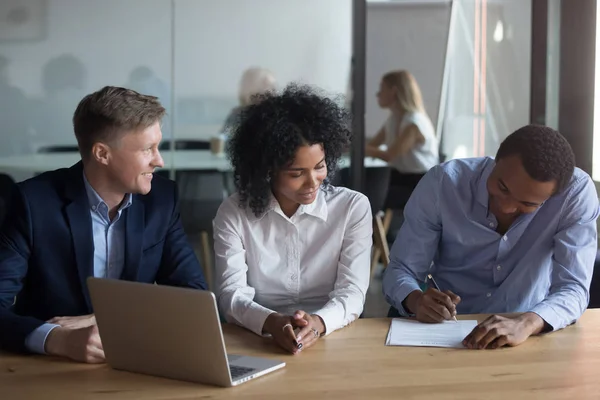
<point>432,305</point>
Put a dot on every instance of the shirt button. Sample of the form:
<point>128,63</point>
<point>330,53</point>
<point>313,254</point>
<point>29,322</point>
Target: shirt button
<point>499,267</point>
<point>505,238</point>
<point>489,295</point>
<point>93,208</point>
<point>491,224</point>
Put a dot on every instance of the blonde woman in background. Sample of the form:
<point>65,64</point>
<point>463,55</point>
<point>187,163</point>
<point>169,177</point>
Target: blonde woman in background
<point>412,145</point>
<point>254,81</point>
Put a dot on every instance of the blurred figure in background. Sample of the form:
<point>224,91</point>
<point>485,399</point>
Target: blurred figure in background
<point>144,80</point>
<point>64,80</point>
<point>412,145</point>
<point>13,108</point>
<point>254,81</point>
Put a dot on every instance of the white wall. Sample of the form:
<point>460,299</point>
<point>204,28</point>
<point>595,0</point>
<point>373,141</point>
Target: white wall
<point>299,40</point>
<point>409,36</point>
<point>307,41</point>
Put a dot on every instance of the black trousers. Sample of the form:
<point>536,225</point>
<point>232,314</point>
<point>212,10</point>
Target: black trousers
<point>400,188</point>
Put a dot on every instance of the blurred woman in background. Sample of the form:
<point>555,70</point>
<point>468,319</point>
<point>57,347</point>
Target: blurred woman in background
<point>412,145</point>
<point>254,81</point>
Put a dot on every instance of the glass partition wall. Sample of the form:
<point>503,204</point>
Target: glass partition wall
<point>201,58</point>
<point>486,89</point>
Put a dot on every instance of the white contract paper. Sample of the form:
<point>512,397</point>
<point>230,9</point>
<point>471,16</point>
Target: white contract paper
<point>406,332</point>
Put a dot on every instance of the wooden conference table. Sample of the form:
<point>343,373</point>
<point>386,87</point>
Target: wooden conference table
<point>352,363</point>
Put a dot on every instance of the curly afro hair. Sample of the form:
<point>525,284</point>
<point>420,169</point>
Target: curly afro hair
<point>265,136</point>
<point>546,155</point>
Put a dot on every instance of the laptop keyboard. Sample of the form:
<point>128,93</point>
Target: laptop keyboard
<point>237,371</point>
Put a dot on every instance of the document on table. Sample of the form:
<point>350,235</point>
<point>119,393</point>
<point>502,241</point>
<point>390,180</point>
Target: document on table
<point>406,332</point>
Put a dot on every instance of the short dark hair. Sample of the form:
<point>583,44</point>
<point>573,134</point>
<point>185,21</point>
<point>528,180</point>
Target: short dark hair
<point>106,115</point>
<point>265,136</point>
<point>546,155</point>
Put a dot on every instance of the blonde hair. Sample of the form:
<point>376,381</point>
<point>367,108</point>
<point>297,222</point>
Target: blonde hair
<point>255,81</point>
<point>408,94</point>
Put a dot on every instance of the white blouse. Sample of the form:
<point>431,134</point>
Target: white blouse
<point>317,261</point>
<point>420,158</point>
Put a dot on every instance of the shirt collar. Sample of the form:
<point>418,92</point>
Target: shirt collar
<point>483,196</point>
<point>96,202</point>
<point>317,208</point>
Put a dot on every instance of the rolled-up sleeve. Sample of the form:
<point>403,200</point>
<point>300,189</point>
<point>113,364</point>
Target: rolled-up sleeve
<point>416,243</point>
<point>575,247</point>
<point>353,270</point>
<point>235,296</point>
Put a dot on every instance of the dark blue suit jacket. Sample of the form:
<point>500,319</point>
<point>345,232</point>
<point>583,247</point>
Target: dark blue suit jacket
<point>47,250</point>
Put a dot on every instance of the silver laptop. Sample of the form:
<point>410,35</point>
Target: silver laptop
<point>169,332</point>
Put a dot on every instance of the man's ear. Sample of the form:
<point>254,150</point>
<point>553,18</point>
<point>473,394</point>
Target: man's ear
<point>101,153</point>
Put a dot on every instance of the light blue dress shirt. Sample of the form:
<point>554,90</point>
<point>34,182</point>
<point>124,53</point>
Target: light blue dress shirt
<point>543,264</point>
<point>109,253</point>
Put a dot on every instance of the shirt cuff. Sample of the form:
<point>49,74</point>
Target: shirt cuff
<point>400,294</point>
<point>548,315</point>
<point>331,319</point>
<point>35,342</point>
<point>255,316</point>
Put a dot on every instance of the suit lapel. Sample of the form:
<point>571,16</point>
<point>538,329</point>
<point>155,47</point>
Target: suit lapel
<point>80,223</point>
<point>134,233</point>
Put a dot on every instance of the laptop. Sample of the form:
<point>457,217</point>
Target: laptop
<point>168,332</point>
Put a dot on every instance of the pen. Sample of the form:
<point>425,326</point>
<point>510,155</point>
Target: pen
<point>438,288</point>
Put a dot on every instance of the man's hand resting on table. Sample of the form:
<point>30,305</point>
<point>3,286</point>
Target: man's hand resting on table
<point>76,338</point>
<point>497,331</point>
<point>82,321</point>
